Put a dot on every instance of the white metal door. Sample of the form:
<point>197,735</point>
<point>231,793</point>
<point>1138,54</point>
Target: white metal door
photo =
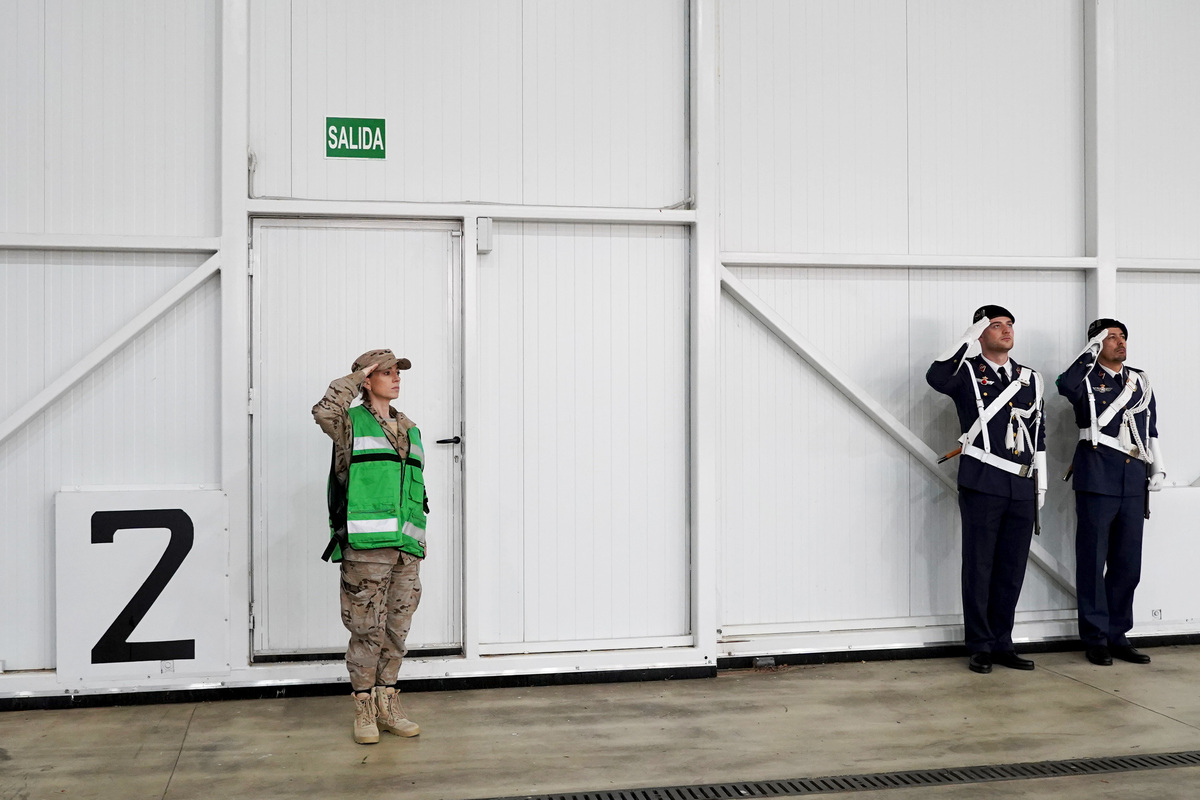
<point>324,291</point>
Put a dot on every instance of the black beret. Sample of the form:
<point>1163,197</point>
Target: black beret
<point>991,312</point>
<point>1104,323</point>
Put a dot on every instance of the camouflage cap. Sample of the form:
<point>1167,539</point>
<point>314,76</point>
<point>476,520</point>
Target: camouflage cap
<point>384,358</point>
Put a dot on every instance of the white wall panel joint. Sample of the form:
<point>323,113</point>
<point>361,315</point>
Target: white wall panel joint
<point>109,244</point>
<point>704,453</point>
<point>461,211</point>
<point>235,311</point>
<point>1157,265</point>
<point>964,262</point>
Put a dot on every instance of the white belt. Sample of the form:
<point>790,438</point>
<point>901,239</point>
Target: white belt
<point>993,460</point>
<point>1085,435</point>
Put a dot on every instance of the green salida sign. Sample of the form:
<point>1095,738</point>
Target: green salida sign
<point>353,137</point>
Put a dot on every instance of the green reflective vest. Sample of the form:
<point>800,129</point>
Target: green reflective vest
<point>385,494</point>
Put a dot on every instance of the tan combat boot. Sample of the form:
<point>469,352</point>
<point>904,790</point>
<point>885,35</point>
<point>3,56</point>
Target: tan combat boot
<point>391,714</point>
<point>365,729</point>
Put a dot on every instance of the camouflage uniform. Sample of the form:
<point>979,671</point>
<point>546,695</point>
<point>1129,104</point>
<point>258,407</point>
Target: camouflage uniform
<point>381,588</point>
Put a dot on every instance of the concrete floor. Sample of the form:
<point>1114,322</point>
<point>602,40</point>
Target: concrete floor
<point>788,722</point>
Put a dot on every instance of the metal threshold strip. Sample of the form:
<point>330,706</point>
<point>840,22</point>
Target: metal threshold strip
<point>908,779</point>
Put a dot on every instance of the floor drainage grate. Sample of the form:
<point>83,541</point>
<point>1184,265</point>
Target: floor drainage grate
<point>891,780</point>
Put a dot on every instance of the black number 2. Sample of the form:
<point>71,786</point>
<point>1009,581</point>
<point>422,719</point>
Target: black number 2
<point>114,647</point>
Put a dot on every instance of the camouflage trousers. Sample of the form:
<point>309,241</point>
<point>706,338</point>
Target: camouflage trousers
<point>378,601</point>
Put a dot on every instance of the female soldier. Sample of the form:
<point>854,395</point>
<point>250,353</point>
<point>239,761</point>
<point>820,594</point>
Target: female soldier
<point>377,508</point>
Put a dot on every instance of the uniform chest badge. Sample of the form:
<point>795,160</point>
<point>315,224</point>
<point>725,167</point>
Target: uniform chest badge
<point>1102,389</point>
<point>985,382</point>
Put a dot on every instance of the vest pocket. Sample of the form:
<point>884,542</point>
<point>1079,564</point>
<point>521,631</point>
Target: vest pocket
<point>416,486</point>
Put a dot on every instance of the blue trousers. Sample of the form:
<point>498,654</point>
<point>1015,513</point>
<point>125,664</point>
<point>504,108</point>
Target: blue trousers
<point>996,532</point>
<point>1109,531</point>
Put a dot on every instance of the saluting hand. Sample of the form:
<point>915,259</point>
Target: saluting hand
<point>971,337</point>
<point>977,329</point>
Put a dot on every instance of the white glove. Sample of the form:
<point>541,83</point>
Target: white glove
<point>970,338</point>
<point>1041,498</point>
<point>1039,464</point>
<point>1159,471</point>
<point>1095,343</point>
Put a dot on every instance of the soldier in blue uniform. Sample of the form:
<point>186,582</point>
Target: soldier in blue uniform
<point>1001,478</point>
<point>1116,462</point>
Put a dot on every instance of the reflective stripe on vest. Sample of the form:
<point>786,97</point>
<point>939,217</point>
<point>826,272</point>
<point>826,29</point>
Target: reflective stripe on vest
<point>364,444</point>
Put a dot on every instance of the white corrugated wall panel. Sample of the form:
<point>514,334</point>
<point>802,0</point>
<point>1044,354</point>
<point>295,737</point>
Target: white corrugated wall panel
<point>1158,125</point>
<point>826,519</point>
<point>996,156</point>
<point>813,126</point>
<point>580,455</point>
<point>514,102</point>
<point>270,95</point>
<point>131,131</point>
<point>148,416</point>
<point>1160,308</point>
<point>603,96</point>
<point>445,76</point>
<point>23,109</point>
<point>810,492</point>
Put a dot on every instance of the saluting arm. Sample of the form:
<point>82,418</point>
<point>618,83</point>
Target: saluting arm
<point>330,410</point>
<point>1070,382</point>
<point>942,372</point>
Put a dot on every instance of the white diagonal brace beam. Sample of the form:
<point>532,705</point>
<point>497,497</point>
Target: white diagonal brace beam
<point>832,373</point>
<point>109,346</point>
<point>868,405</point>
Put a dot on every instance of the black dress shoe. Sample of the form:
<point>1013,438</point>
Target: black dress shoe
<point>981,663</point>
<point>1099,656</point>
<point>1007,658</point>
<point>1126,652</point>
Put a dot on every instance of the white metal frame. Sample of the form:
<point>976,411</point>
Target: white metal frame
<point>704,350</point>
<point>235,313</point>
<point>467,212</point>
<point>111,244</point>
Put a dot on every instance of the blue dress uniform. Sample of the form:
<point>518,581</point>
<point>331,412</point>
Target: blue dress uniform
<point>1117,420</point>
<point>997,489</point>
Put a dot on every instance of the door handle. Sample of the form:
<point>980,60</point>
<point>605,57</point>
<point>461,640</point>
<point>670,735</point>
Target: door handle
<point>454,440</point>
